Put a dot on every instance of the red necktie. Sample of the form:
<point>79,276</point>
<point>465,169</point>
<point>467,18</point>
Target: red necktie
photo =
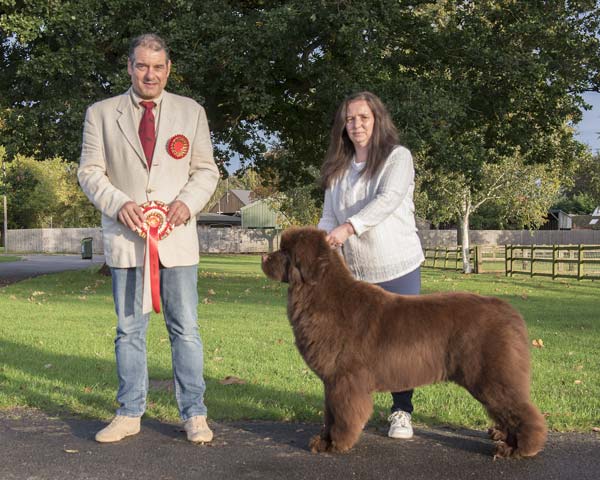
<point>147,131</point>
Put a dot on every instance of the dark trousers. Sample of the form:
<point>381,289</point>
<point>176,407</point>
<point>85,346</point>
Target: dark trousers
<point>409,284</point>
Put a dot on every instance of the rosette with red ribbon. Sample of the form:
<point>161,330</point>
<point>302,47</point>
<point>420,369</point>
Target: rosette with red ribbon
<point>178,146</point>
<point>155,228</point>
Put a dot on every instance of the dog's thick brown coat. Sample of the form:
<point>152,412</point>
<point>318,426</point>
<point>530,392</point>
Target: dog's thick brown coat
<point>359,339</point>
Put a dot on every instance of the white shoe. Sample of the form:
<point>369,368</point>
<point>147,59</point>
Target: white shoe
<point>400,426</point>
<point>197,429</point>
<point>118,429</point>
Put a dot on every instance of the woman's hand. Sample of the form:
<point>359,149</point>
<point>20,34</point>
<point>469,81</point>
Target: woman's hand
<point>340,234</point>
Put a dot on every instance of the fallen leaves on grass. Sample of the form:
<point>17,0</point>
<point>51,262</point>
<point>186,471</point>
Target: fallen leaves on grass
<point>538,343</point>
<point>231,380</point>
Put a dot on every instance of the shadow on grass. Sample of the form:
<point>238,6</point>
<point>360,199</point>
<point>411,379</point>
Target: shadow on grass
<point>68,384</point>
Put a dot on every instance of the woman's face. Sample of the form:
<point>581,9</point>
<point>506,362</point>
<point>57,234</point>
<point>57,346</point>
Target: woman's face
<point>359,123</point>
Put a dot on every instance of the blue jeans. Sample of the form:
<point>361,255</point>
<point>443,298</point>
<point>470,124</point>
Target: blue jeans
<point>409,284</point>
<point>179,295</point>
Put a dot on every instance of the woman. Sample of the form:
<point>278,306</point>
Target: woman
<point>369,182</point>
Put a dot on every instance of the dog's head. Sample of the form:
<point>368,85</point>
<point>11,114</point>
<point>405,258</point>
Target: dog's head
<point>303,255</point>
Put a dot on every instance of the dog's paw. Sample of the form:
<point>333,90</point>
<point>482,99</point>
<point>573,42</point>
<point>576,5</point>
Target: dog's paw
<point>504,450</point>
<point>497,434</point>
<point>340,448</point>
<point>318,444</point>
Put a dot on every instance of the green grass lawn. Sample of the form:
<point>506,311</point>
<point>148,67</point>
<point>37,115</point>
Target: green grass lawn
<point>9,258</point>
<point>57,353</point>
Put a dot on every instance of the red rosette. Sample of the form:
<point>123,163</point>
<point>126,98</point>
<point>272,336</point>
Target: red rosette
<point>178,146</point>
<point>155,228</point>
<point>156,217</point>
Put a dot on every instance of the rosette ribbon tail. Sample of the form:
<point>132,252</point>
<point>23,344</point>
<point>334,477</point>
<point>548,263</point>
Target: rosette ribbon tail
<point>151,296</point>
<point>154,268</point>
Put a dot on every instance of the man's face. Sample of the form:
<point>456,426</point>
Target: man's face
<point>149,72</point>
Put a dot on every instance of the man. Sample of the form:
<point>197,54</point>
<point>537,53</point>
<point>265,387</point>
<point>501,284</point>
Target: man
<point>128,158</point>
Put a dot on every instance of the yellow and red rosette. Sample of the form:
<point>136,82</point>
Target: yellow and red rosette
<point>155,228</point>
<point>178,146</point>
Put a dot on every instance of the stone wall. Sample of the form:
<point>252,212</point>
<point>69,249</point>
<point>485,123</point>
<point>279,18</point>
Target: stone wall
<point>239,240</point>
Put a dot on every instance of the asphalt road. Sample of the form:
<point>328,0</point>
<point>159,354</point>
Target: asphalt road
<point>34,265</point>
<point>35,446</point>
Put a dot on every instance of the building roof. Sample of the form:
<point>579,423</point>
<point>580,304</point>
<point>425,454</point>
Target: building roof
<point>243,195</point>
<point>595,220</point>
<point>217,219</point>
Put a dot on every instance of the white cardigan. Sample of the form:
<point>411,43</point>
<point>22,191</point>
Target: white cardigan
<point>381,210</point>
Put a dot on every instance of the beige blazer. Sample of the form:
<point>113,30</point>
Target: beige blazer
<point>113,171</point>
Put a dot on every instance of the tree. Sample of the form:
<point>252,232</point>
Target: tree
<point>582,193</point>
<point>45,194</point>
<point>522,193</point>
<point>468,83</point>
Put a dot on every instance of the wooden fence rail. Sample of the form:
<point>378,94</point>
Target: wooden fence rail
<point>555,261</point>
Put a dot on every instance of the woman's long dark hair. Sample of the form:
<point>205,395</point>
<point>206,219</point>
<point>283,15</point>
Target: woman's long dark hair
<point>341,149</point>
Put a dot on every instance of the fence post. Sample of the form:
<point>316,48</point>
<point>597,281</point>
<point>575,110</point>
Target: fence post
<point>579,261</point>
<point>554,252</point>
<point>456,256</point>
<point>531,261</point>
<point>476,261</point>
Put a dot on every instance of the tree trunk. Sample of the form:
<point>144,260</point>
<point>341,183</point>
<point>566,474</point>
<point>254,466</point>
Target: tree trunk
<point>464,230</point>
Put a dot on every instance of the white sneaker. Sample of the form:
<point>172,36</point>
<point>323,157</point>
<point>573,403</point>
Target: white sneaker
<point>400,426</point>
<point>118,429</point>
<point>197,429</point>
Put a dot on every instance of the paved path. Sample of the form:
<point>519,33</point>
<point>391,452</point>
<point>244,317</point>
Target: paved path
<point>34,265</point>
<point>37,447</point>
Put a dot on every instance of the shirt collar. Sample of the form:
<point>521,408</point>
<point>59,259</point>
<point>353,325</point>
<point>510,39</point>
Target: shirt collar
<point>136,99</point>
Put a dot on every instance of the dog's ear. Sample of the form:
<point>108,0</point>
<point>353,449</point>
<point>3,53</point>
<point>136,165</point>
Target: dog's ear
<point>309,256</point>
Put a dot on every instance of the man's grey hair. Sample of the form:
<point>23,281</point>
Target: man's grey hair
<point>148,40</point>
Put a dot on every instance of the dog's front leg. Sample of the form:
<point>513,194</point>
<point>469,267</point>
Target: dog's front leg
<point>348,407</point>
<point>322,442</point>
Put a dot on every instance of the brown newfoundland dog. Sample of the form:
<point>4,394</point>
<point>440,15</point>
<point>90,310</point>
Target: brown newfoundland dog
<point>359,339</point>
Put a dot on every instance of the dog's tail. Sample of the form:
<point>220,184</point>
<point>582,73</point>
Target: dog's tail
<point>531,432</point>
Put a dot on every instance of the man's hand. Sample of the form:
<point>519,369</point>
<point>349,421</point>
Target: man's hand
<point>131,215</point>
<point>179,213</point>
<point>340,234</point>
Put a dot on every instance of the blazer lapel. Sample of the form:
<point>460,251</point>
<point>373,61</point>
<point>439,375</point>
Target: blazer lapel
<point>127,124</point>
<point>165,127</point>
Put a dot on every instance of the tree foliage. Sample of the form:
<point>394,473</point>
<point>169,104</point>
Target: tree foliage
<point>582,194</point>
<point>468,83</point>
<point>45,194</point>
